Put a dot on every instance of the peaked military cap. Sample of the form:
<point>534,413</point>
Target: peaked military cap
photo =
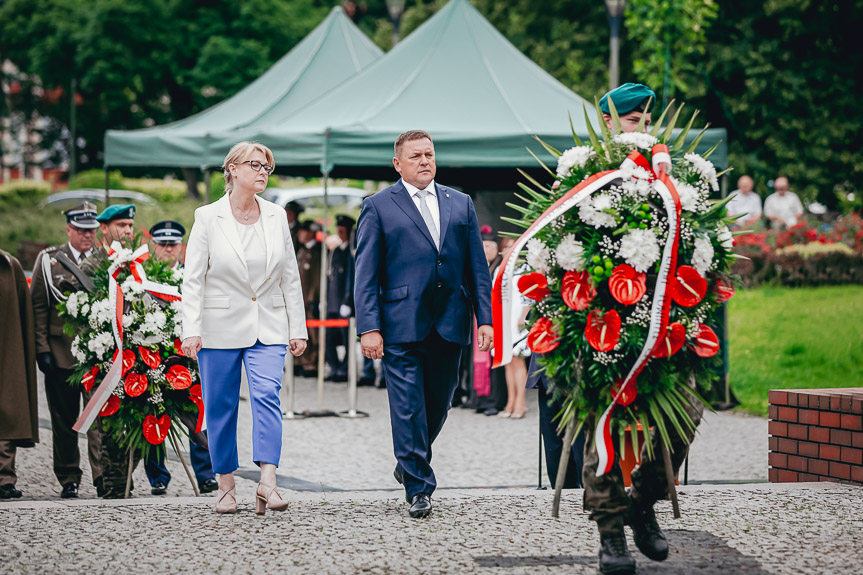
<point>345,221</point>
<point>117,212</point>
<point>627,98</point>
<point>82,216</point>
<point>167,232</point>
<point>311,226</point>
<point>295,207</point>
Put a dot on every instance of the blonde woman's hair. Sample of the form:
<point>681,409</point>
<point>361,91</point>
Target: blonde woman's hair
<point>240,153</point>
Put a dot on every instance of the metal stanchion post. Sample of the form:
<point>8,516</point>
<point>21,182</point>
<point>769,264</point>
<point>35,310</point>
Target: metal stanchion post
<point>539,484</point>
<point>288,387</point>
<point>351,350</point>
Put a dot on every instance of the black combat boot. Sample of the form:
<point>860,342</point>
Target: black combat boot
<point>648,536</point>
<point>614,557</point>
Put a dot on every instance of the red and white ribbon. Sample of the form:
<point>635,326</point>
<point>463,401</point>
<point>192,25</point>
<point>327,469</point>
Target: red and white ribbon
<point>504,288</point>
<point>120,258</point>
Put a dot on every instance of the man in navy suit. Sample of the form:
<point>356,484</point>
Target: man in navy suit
<point>421,274</point>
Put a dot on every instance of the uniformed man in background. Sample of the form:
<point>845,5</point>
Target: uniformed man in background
<point>293,211</point>
<point>56,273</point>
<point>309,263</point>
<point>117,223</point>
<point>340,297</point>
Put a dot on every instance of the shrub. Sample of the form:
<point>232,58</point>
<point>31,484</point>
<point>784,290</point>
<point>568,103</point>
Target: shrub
<point>20,193</point>
<point>96,179</point>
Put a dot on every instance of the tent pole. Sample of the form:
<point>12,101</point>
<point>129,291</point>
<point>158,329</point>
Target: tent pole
<point>322,313</point>
<point>207,175</point>
<point>107,187</point>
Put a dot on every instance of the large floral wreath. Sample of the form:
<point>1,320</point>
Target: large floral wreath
<point>126,331</point>
<point>627,260</point>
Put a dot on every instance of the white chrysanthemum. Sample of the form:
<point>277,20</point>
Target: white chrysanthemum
<point>100,344</point>
<point>101,312</point>
<point>72,304</point>
<point>571,158</point>
<point>154,322</point>
<point>570,254</point>
<point>702,256</point>
<point>129,319</point>
<point>77,352</point>
<point>178,330</point>
<point>723,234</point>
<point>704,168</point>
<point>635,140</point>
<point>85,309</point>
<point>178,274</point>
<point>538,255</point>
<point>639,249</point>
<point>177,307</point>
<point>590,211</point>
<point>123,254</point>
<point>689,196</point>
<point>131,287</point>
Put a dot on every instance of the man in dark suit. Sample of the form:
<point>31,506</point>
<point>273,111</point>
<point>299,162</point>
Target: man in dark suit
<point>551,439</point>
<point>421,274</point>
<point>293,211</point>
<point>340,298</point>
<point>57,272</point>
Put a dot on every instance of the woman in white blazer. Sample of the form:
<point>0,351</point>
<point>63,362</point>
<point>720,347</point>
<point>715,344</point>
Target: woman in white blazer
<point>242,305</point>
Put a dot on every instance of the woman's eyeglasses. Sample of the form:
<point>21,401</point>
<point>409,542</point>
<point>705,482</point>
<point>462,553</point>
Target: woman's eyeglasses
<point>256,166</point>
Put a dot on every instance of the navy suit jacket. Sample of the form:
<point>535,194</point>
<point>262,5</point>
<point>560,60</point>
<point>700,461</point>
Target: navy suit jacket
<point>404,286</point>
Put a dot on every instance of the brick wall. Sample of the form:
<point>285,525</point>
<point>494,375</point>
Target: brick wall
<point>816,435</point>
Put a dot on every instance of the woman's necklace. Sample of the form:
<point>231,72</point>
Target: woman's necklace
<point>246,215</point>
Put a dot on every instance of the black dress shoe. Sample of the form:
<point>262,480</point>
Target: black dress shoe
<point>100,487</point>
<point>397,473</point>
<point>614,557</point>
<point>339,378</point>
<point>421,505</point>
<point>310,373</point>
<point>382,384</point>
<point>648,536</point>
<point>208,486</point>
<point>70,491</point>
<point>8,491</point>
<point>159,488</point>
<point>366,382</point>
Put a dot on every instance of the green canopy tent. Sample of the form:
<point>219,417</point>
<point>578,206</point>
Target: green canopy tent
<point>457,77</point>
<point>335,50</point>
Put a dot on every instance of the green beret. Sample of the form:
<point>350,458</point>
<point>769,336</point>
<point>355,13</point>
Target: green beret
<point>627,98</point>
<point>117,212</point>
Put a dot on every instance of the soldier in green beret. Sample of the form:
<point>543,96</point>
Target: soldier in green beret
<point>117,223</point>
<point>605,497</point>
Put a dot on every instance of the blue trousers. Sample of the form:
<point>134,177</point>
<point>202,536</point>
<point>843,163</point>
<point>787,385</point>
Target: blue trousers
<point>220,383</point>
<point>421,378</point>
<point>157,472</point>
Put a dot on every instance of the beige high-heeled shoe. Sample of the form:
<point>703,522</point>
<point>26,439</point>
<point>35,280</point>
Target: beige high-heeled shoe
<point>226,501</point>
<point>267,497</point>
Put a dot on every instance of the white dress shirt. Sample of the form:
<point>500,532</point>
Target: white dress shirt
<point>431,201</point>
<point>748,205</point>
<point>79,257</point>
<point>787,208</point>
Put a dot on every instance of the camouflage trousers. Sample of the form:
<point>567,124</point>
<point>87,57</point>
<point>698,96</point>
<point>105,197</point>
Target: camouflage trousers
<point>115,462</point>
<point>606,498</point>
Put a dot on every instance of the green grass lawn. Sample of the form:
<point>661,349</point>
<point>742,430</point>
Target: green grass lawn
<point>794,338</point>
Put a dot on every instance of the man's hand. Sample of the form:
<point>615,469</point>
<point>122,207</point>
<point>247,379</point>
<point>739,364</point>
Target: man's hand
<point>373,344</point>
<point>485,337</point>
<point>191,346</point>
<point>298,346</point>
<point>45,361</point>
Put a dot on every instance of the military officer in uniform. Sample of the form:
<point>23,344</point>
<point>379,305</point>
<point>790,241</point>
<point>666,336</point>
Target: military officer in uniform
<point>57,272</point>
<point>117,223</point>
<point>309,264</point>
<point>605,497</point>
<point>293,211</point>
<point>340,297</point>
<point>167,245</point>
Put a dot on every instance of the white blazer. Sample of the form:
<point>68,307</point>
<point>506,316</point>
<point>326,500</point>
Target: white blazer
<point>219,302</point>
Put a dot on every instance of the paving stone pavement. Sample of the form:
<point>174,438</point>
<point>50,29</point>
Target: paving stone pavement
<point>340,454</point>
<point>759,529</point>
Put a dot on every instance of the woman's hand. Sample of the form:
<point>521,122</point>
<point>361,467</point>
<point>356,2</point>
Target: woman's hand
<point>298,346</point>
<point>191,346</point>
